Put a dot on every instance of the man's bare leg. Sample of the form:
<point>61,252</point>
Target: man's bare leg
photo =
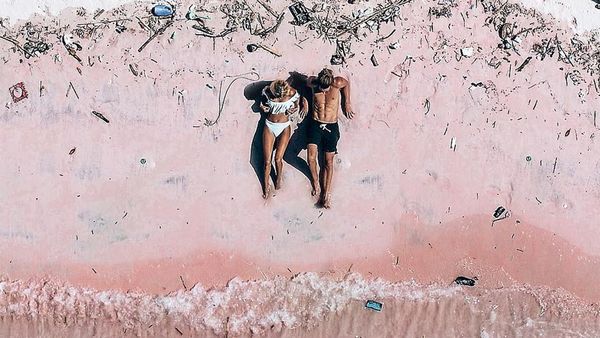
<point>328,168</point>
<point>282,143</point>
<point>268,140</point>
<point>313,151</point>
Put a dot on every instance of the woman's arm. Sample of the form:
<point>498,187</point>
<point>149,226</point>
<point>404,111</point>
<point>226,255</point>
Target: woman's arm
<point>303,107</point>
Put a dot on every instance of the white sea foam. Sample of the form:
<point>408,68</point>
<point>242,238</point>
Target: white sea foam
<point>304,300</point>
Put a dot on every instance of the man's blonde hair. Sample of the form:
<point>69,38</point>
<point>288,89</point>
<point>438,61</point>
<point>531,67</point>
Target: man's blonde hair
<point>325,78</point>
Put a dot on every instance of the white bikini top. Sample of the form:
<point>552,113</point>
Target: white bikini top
<point>280,107</point>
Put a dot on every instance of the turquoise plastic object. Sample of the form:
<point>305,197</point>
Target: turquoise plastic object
<point>373,305</point>
<point>162,10</point>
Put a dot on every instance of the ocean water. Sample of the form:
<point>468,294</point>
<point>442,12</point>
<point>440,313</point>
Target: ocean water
<point>306,305</point>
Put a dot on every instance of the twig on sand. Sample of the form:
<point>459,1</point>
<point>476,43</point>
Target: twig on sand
<point>182,282</point>
<point>524,64</point>
<point>16,43</point>
<point>157,33</point>
<point>385,37</point>
<point>223,96</point>
<point>74,91</point>
<point>220,35</point>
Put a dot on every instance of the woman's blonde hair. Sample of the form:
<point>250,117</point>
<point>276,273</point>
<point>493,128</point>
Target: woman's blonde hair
<point>280,88</point>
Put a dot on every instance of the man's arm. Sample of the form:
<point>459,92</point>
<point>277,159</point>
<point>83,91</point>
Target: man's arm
<point>344,86</point>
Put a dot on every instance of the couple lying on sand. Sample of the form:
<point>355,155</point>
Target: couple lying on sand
<point>281,100</point>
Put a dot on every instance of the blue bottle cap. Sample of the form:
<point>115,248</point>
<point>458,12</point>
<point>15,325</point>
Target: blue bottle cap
<point>162,10</point>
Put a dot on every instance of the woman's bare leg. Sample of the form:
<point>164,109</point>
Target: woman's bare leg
<point>282,142</point>
<point>268,140</point>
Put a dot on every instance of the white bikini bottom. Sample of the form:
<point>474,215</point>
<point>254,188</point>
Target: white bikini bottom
<point>277,128</point>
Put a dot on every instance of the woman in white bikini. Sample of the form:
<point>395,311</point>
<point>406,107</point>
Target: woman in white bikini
<point>281,101</point>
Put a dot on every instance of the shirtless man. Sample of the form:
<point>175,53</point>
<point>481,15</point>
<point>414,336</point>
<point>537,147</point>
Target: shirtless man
<point>323,129</point>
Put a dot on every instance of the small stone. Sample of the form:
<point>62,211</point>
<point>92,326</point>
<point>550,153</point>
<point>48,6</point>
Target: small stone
<point>143,161</point>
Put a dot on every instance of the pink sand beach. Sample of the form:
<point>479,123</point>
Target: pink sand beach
<point>145,218</point>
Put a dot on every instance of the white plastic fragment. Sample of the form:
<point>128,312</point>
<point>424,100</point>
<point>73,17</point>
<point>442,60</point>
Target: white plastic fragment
<point>467,52</point>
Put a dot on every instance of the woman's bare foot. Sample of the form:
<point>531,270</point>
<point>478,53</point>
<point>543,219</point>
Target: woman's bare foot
<point>327,201</point>
<point>267,192</point>
<point>316,191</point>
<point>278,183</point>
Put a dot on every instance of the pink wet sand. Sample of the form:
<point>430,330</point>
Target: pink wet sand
<point>405,205</point>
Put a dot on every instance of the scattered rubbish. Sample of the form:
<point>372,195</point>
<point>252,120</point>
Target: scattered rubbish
<point>157,33</point>
<point>528,158</point>
<point>72,46</point>
<point>460,280</point>
<point>467,52</point>
<point>35,48</point>
<point>143,161</point>
<point>453,144</point>
<point>439,12</point>
<point>394,45</point>
<point>16,43</point>
<point>163,10</point>
<point>241,15</point>
<point>524,64</point>
<point>191,13</point>
<point>98,13</point>
<point>68,41</point>
<point>18,92</point>
<point>300,13</point>
<point>342,51</point>
<point>72,151</point>
<point>133,69</point>
<point>373,305</point>
<point>427,106</point>
<point>499,211</point>
<point>120,29</point>
<point>336,60</point>
<point>71,87</point>
<point>374,60</point>
<point>252,47</point>
<point>568,132</point>
<point>505,31</point>
<point>499,214</point>
<point>100,116</point>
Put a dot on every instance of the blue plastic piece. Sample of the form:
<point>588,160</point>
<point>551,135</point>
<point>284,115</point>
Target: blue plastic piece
<point>371,304</point>
<point>162,10</point>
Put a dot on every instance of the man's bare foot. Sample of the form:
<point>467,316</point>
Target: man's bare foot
<point>267,192</point>
<point>327,200</point>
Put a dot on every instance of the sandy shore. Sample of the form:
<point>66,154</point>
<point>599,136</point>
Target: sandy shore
<point>156,201</point>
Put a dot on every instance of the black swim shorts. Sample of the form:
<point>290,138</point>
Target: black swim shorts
<point>324,135</point>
